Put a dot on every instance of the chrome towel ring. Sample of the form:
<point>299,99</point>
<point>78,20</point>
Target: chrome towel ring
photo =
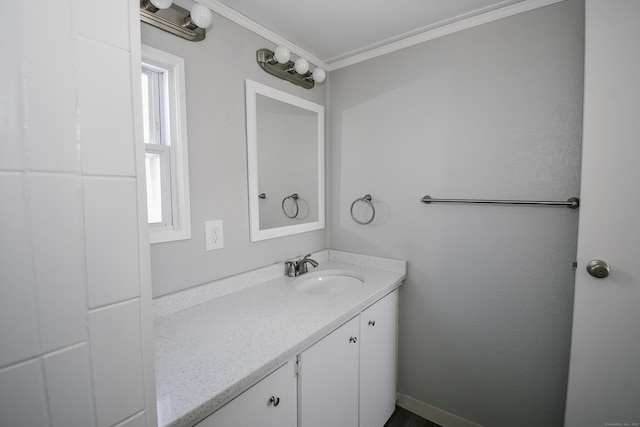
<point>367,199</point>
<point>294,201</point>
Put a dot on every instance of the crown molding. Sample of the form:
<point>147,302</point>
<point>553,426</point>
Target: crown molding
<point>444,30</point>
<point>258,29</point>
<point>382,48</point>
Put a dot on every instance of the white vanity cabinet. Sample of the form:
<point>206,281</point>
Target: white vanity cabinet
<point>378,361</point>
<point>328,380</point>
<point>348,378</point>
<point>269,403</point>
<point>236,332</point>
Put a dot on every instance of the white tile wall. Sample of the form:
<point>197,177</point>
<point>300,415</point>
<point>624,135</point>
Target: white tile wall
<point>10,118</point>
<point>22,399</point>
<point>66,110</point>
<point>56,219</point>
<point>18,324</point>
<point>52,143</point>
<point>70,399</point>
<point>111,222</point>
<point>112,27</point>
<point>116,353</point>
<point>106,116</point>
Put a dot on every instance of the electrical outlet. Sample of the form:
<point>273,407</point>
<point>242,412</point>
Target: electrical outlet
<point>214,234</point>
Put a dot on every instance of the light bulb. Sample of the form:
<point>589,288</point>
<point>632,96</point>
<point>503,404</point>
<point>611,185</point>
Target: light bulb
<point>201,16</point>
<point>319,75</point>
<point>161,4</point>
<point>301,66</point>
<point>282,54</point>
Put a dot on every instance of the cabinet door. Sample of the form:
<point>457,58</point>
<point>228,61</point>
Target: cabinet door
<point>269,403</point>
<point>328,380</point>
<point>378,355</point>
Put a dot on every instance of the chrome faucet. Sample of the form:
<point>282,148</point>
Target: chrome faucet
<point>301,264</point>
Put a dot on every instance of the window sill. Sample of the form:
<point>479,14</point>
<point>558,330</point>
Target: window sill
<point>168,236</point>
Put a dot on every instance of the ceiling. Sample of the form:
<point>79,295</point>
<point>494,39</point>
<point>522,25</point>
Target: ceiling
<point>336,33</point>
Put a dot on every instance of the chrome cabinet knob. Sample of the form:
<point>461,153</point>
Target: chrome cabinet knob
<point>353,339</point>
<point>598,268</point>
<point>275,401</point>
<point>372,323</point>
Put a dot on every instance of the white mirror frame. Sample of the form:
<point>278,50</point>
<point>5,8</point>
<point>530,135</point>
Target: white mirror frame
<point>256,234</point>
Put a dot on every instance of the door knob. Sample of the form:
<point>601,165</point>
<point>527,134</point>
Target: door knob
<point>598,268</point>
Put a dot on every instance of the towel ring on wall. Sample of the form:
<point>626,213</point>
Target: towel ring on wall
<point>294,201</point>
<point>367,199</point>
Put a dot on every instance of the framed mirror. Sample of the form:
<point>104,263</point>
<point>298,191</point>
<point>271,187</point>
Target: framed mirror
<point>285,152</point>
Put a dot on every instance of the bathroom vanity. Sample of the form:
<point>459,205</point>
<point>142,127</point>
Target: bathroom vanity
<point>265,350</point>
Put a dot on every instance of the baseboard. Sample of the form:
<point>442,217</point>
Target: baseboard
<point>431,413</point>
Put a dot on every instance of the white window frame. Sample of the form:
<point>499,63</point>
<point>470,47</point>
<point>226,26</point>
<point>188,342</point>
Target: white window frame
<point>179,225</point>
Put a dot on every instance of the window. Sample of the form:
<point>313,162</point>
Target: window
<point>165,141</point>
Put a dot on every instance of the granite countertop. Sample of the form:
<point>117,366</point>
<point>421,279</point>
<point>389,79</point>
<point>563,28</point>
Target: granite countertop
<point>209,353</point>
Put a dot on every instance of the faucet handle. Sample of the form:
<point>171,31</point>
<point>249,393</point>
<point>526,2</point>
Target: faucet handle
<point>289,269</point>
<point>301,264</point>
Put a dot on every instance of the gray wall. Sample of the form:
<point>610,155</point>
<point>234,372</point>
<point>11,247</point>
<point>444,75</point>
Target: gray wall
<point>490,112</point>
<point>216,69</point>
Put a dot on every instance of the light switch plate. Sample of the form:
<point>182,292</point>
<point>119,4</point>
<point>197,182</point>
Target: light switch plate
<point>214,235</point>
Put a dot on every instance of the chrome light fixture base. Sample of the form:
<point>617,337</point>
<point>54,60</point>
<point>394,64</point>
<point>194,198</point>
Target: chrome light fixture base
<point>171,20</point>
<point>264,59</point>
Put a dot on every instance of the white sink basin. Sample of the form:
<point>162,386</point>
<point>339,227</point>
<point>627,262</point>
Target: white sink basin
<point>327,282</point>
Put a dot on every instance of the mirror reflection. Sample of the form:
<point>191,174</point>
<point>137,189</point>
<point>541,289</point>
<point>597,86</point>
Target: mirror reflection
<point>285,142</point>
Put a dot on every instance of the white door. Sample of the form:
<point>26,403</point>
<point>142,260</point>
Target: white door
<point>604,373</point>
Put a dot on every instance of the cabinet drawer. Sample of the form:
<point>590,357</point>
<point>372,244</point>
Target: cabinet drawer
<point>269,403</point>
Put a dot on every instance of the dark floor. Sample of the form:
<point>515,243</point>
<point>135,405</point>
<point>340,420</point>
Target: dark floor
<point>403,418</point>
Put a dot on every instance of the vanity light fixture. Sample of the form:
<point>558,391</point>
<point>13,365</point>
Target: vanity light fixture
<point>163,14</point>
<point>279,64</point>
<point>300,66</point>
<point>281,55</point>
<point>155,5</point>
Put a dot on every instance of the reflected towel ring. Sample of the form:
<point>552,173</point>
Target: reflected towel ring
<point>294,198</point>
<point>367,199</point>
